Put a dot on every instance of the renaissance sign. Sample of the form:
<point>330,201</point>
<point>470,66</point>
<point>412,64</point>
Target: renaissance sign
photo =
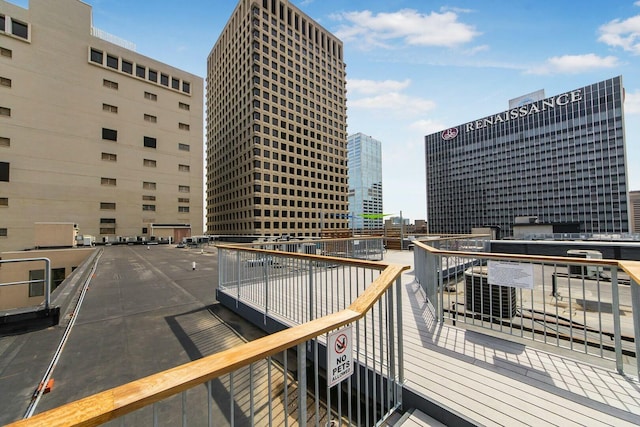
<point>525,110</point>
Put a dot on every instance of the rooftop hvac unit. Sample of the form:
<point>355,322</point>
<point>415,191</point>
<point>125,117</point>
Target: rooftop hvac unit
<point>591,271</point>
<point>483,298</point>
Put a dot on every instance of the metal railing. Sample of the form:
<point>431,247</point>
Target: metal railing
<point>367,248</point>
<point>46,281</point>
<point>286,378</point>
<point>589,306</point>
<point>291,288</point>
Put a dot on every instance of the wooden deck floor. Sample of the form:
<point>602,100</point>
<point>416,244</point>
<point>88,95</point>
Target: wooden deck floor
<point>494,382</point>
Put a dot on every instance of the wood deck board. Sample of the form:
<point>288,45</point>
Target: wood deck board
<point>531,385</point>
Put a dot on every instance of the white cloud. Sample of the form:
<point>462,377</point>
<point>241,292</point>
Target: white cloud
<point>373,86</point>
<point>427,126</point>
<point>386,96</point>
<point>574,64</point>
<point>394,103</point>
<point>632,102</point>
<point>622,33</point>
<point>412,27</point>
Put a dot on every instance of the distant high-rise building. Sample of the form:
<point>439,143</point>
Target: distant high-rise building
<point>634,214</point>
<point>365,182</point>
<point>276,125</point>
<point>92,132</point>
<point>560,159</point>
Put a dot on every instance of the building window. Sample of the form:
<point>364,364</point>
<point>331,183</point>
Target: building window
<point>5,82</point>
<point>2,23</point>
<point>153,76</point>
<point>107,230</point>
<point>141,71</point>
<point>110,84</point>
<point>183,209</point>
<point>149,185</point>
<point>110,157</point>
<point>175,83</point>
<point>3,232</point>
<point>112,62</point>
<point>186,87</point>
<point>36,283</point>
<point>184,189</point>
<point>150,96</point>
<point>149,163</point>
<point>4,201</point>
<point>150,118</point>
<point>164,80</point>
<point>184,147</point>
<point>4,111</point>
<point>149,142</point>
<point>110,108</point>
<point>96,56</point>
<point>183,126</point>
<point>107,206</point>
<point>184,168</point>
<point>145,230</point>
<point>19,29</point>
<point>109,134</point>
<point>4,171</point>
<point>5,142</point>
<point>57,277</point>
<point>183,200</point>
<point>183,106</point>
<point>107,220</point>
<point>108,181</point>
<point>127,67</point>
<point>148,207</point>
<point>7,53</point>
<point>149,198</point>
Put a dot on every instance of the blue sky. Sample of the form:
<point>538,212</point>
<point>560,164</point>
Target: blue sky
<point>418,67</point>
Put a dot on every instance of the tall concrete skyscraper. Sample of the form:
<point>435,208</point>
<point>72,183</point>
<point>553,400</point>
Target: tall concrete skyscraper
<point>559,159</point>
<point>276,125</point>
<point>365,182</point>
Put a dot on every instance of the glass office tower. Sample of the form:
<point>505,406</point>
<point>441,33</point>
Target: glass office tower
<point>561,159</point>
<point>365,182</point>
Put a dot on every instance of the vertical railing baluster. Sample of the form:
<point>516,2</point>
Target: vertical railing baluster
<point>209,404</point>
<point>251,396</point>
<point>302,384</point>
<point>232,398</point>
<point>155,414</point>
<point>270,387</point>
<point>635,310</point>
<point>184,408</point>
<point>286,387</point>
<point>615,305</point>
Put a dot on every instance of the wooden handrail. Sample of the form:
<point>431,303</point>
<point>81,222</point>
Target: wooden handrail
<point>116,402</point>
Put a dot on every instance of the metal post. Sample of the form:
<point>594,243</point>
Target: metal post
<point>635,304</point>
<point>400,336</point>
<point>302,384</point>
<point>616,319</point>
<point>47,283</point>
<point>265,271</point>
<point>311,291</point>
<point>401,232</point>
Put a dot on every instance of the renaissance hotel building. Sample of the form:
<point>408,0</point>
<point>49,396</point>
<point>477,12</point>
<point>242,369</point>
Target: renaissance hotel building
<point>560,159</point>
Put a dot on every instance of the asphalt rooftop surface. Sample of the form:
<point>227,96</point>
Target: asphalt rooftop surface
<point>146,310</point>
